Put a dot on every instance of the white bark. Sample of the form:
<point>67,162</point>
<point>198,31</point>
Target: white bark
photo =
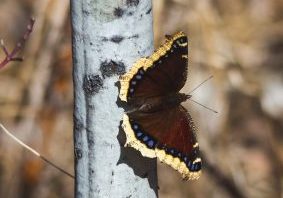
<point>108,37</point>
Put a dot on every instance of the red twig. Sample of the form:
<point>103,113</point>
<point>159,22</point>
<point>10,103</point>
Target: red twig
<point>12,56</point>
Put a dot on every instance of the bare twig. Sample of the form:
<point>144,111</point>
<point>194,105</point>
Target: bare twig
<point>34,151</point>
<point>12,56</point>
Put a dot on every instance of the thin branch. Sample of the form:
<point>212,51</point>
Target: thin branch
<point>34,151</point>
<point>12,56</point>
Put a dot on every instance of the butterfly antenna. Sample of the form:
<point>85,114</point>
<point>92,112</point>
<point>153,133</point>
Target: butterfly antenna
<point>201,84</point>
<point>202,105</point>
<point>34,151</point>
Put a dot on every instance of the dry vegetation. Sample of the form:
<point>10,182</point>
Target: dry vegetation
<point>239,42</point>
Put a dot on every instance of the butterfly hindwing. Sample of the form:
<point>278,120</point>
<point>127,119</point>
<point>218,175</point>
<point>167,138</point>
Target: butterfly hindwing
<point>168,135</point>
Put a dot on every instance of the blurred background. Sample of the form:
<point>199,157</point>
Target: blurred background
<point>240,43</point>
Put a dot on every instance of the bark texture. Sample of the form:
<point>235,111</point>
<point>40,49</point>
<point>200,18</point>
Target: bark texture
<point>108,37</point>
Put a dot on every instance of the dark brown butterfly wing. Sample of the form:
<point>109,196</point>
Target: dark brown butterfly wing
<point>167,134</point>
<point>162,73</point>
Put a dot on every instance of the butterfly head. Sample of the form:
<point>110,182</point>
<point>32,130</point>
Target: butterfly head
<point>183,97</point>
<point>188,96</point>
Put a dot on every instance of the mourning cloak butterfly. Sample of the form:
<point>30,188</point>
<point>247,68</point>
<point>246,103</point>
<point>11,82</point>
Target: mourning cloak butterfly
<point>157,124</point>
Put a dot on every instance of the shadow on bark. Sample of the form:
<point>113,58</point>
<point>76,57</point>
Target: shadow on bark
<point>142,166</point>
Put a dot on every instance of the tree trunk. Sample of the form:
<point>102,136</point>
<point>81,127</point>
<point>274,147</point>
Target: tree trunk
<point>108,37</point>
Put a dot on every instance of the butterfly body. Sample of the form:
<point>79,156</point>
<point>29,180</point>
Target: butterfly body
<point>158,103</point>
<point>157,124</point>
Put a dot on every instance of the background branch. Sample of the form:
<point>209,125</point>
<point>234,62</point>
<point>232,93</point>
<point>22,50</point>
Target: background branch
<point>11,56</point>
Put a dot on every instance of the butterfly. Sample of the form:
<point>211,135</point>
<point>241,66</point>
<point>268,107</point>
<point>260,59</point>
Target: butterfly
<point>157,125</point>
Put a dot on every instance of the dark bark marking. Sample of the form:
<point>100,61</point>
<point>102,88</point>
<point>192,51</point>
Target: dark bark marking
<point>90,142</point>
<point>86,12</point>
<point>130,13</point>
<point>78,125</point>
<point>91,106</point>
<point>134,36</point>
<point>118,12</point>
<point>112,174</point>
<point>78,153</point>
<point>90,138</point>
<point>149,11</point>
<point>92,84</point>
<point>117,39</point>
<point>104,39</point>
<point>110,68</point>
<point>132,2</point>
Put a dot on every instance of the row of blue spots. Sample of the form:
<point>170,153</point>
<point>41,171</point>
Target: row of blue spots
<point>192,166</point>
<point>173,152</point>
<point>147,140</point>
<point>135,79</point>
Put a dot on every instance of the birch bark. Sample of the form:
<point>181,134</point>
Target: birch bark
<point>108,37</point>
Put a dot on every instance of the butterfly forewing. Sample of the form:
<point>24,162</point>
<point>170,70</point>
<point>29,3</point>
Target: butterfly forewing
<point>164,72</point>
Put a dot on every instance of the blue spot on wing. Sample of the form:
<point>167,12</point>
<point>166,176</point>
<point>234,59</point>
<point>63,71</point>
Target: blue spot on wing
<point>186,159</point>
<point>135,126</point>
<point>189,163</point>
<point>139,134</point>
<point>142,136</point>
<point>192,167</point>
<point>145,138</point>
<point>150,143</point>
<point>196,166</point>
